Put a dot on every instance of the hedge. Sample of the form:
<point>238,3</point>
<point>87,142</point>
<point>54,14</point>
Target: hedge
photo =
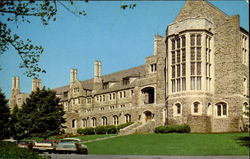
<point>109,129</point>
<point>10,150</point>
<point>100,130</point>
<point>184,128</point>
<point>86,131</point>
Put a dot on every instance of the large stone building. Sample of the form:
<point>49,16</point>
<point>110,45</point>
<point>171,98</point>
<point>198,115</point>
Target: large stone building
<point>197,75</point>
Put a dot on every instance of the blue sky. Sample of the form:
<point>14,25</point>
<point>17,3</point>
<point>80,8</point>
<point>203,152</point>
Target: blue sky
<point>121,39</point>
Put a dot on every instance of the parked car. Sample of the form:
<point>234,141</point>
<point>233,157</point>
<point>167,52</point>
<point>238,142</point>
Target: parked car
<point>26,144</point>
<point>71,145</point>
<point>44,146</point>
<point>10,140</point>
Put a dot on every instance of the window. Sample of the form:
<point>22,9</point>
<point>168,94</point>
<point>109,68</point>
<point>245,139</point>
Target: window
<point>88,100</point>
<point>127,118</point>
<point>102,108</point>
<point>113,95</point>
<point>195,62</point>
<point>148,95</point>
<point>221,109</point>
<point>178,65</point>
<point>245,110</point>
<point>94,122</point>
<point>120,94</point>
<point>124,94</point>
<point>115,120</point>
<point>75,90</point>
<point>84,123</point>
<point>208,63</point>
<point>196,108</point>
<point>65,94</point>
<point>105,85</point>
<point>104,121</point>
<point>153,67</point>
<point>244,47</point>
<point>245,86</point>
<point>177,109</point>
<point>73,123</point>
<point>125,81</point>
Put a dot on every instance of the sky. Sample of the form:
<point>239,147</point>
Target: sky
<point>120,39</point>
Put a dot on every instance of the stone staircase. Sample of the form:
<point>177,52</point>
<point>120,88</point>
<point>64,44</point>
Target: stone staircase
<point>138,127</point>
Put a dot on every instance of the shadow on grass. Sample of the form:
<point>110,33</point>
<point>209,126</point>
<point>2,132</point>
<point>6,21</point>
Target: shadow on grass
<point>244,141</point>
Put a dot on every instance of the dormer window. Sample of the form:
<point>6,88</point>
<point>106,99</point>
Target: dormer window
<point>153,67</point>
<point>125,81</point>
<point>105,85</point>
<point>65,94</point>
<point>75,90</point>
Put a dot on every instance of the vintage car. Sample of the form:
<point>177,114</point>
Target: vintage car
<point>26,144</point>
<point>71,145</point>
<point>46,146</point>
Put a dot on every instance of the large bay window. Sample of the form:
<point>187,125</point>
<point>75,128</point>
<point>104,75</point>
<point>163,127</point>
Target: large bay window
<point>178,64</point>
<point>195,61</point>
<point>190,62</point>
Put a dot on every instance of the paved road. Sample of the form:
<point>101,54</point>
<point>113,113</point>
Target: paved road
<point>74,156</point>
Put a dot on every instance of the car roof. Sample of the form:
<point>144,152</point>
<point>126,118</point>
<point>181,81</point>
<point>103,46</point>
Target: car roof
<point>70,139</point>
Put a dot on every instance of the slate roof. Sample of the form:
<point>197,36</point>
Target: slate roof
<point>116,77</point>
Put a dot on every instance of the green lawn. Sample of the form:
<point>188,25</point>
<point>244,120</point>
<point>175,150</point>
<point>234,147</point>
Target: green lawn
<point>83,138</point>
<point>171,144</point>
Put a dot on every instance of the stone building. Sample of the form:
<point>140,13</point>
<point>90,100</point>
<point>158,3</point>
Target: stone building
<point>197,75</point>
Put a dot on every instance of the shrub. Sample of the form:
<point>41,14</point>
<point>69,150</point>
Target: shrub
<point>101,130</point>
<point>173,129</point>
<point>10,150</point>
<point>121,126</point>
<point>160,129</point>
<point>86,131</point>
<point>111,129</point>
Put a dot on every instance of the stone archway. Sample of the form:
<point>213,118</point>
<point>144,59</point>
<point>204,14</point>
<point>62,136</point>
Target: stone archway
<point>148,115</point>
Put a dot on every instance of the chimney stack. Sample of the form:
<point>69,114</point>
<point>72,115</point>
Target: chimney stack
<point>97,71</point>
<point>36,84</point>
<point>73,75</point>
<point>157,38</point>
<point>15,83</point>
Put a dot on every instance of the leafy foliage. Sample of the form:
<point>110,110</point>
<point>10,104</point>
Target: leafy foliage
<point>40,116</point>
<point>86,131</point>
<point>10,150</point>
<point>100,130</point>
<point>13,121</point>
<point>173,129</point>
<point>14,12</point>
<point>4,117</point>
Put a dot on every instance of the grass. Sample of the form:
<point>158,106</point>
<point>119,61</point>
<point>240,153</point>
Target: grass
<point>82,138</point>
<point>172,144</point>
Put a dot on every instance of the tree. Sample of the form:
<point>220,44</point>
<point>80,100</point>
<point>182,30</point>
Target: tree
<point>13,121</point>
<point>4,117</point>
<point>40,116</point>
<point>21,11</point>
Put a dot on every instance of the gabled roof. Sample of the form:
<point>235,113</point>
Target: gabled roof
<point>117,76</point>
<point>199,8</point>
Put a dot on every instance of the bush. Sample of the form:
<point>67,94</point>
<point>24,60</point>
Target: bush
<point>173,129</point>
<point>10,150</point>
<point>86,131</point>
<point>111,129</point>
<point>121,126</point>
<point>101,130</point>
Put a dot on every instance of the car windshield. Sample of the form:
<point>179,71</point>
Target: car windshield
<point>65,145</point>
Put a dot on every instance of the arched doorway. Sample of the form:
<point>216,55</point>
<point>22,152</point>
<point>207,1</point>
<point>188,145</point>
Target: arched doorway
<point>148,115</point>
<point>148,95</point>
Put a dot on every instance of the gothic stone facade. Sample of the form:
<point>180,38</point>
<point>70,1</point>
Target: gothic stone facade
<point>198,75</point>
